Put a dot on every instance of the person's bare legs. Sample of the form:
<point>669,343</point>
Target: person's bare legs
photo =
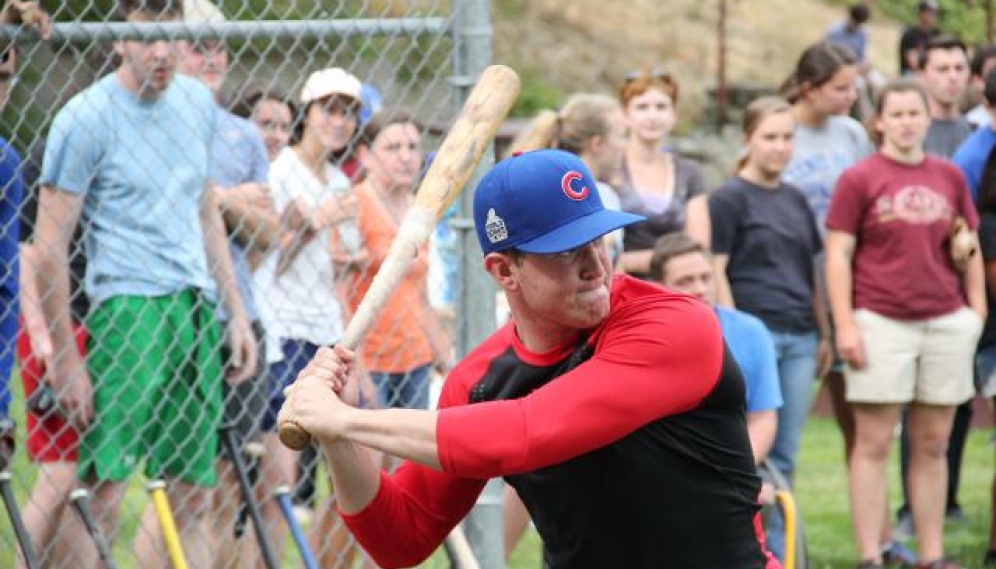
<point>868,483</point>
<point>225,501</point>
<point>843,413</point>
<point>48,519</point>
<point>515,518</point>
<point>190,506</point>
<point>929,428</point>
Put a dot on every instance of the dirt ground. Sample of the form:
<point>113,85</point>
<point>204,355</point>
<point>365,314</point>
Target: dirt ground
<point>591,44</point>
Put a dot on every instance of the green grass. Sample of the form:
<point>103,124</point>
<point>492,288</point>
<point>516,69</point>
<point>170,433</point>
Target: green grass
<point>821,493</point>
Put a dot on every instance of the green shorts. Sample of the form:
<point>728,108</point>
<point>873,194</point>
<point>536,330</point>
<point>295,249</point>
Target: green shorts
<point>157,373</point>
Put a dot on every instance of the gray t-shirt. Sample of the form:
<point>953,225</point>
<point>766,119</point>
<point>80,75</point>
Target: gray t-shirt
<point>945,135</point>
<point>819,156</point>
<point>665,213</point>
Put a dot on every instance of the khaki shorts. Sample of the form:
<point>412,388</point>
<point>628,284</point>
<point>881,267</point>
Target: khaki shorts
<point>928,361</point>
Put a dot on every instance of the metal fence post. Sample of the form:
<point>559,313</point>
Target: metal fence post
<point>476,303</point>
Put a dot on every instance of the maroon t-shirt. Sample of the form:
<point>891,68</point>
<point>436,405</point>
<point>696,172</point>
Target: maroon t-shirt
<point>901,215</point>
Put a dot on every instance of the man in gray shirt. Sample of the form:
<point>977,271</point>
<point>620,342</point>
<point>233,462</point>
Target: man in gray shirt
<point>944,72</point>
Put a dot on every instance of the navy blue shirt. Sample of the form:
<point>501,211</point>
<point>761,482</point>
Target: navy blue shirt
<point>771,240</point>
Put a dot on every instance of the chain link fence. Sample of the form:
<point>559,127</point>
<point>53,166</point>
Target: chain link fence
<point>307,204</point>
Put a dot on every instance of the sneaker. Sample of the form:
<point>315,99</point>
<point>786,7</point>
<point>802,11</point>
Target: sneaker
<point>990,559</point>
<point>955,514</point>
<point>898,555</point>
<point>903,531</point>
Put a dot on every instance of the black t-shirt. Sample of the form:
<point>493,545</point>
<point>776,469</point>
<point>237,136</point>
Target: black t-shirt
<point>987,242</point>
<point>914,37</point>
<point>772,241</point>
<point>78,303</point>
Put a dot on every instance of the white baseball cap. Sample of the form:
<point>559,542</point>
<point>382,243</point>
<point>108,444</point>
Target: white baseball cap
<point>331,81</point>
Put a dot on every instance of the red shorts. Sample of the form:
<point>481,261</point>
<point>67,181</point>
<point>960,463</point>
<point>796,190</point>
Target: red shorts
<point>50,438</point>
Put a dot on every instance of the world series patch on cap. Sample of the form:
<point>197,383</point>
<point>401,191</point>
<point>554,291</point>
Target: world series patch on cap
<point>543,201</point>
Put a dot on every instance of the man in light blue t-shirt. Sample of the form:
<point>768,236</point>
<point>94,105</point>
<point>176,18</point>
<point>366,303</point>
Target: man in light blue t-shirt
<point>130,157</point>
<point>682,264</point>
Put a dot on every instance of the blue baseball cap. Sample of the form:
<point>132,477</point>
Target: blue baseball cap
<point>543,201</point>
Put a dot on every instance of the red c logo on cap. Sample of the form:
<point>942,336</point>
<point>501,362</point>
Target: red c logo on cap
<point>565,184</point>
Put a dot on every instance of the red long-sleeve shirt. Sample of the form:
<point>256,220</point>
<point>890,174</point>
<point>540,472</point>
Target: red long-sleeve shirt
<point>628,445</point>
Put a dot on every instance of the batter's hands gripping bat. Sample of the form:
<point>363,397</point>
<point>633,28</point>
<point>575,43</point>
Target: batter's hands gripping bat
<point>461,150</point>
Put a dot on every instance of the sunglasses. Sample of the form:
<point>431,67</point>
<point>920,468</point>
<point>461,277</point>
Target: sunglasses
<point>655,73</point>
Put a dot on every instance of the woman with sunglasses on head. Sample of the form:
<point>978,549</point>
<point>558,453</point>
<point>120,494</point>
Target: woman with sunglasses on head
<point>909,308</point>
<point>667,189</point>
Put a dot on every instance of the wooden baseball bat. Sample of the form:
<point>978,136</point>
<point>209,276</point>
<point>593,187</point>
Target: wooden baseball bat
<point>461,150</point>
<point>157,490</point>
<point>80,499</point>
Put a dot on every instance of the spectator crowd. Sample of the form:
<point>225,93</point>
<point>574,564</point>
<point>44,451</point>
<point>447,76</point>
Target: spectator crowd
<point>171,261</point>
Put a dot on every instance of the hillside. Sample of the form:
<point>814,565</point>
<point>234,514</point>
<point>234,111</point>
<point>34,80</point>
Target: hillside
<point>562,47</point>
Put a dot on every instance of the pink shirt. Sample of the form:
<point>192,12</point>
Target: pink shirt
<point>900,215</point>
